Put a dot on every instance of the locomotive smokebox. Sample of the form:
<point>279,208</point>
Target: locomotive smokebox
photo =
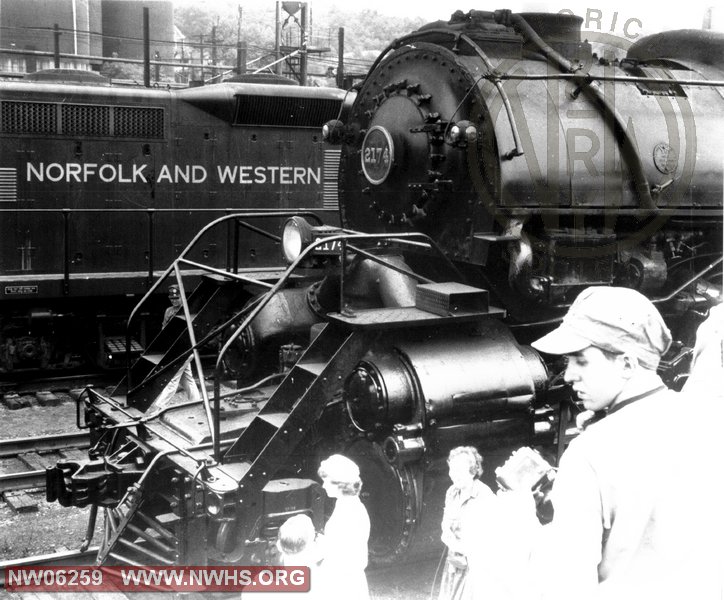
<point>502,137</point>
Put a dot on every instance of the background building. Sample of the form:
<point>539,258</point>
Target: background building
<point>87,31</point>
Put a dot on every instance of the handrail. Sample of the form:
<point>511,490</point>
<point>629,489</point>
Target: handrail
<point>207,227</point>
<point>194,349</point>
<point>608,78</point>
<point>174,267</point>
<point>216,271</point>
<point>343,238</point>
<point>419,35</point>
<point>518,145</point>
<point>66,213</point>
<point>212,412</point>
<point>623,136</point>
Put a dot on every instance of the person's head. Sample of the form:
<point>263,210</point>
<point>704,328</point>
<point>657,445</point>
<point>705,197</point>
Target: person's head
<point>610,335</point>
<point>464,464</point>
<point>340,476</point>
<point>295,536</point>
<point>174,295</point>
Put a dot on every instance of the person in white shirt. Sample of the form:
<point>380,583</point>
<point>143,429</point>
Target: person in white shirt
<point>637,496</point>
<point>183,377</point>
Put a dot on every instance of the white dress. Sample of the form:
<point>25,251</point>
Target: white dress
<point>344,548</point>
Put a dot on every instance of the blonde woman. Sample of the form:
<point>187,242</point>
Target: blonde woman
<point>467,501</point>
<point>347,532</point>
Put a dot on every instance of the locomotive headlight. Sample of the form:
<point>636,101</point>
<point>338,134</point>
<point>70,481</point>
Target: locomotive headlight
<point>462,133</point>
<point>296,236</point>
<point>333,131</point>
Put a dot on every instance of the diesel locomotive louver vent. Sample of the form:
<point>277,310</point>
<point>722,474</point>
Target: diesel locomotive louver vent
<point>85,120</point>
<point>285,111</point>
<point>8,184</point>
<point>138,122</point>
<point>81,119</point>
<point>330,191</point>
<point>29,117</point>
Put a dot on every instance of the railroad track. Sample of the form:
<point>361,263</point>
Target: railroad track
<point>35,447</point>
<point>58,384</point>
<point>57,559</point>
<point>45,443</point>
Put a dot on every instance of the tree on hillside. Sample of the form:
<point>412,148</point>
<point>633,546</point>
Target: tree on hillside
<point>367,33</point>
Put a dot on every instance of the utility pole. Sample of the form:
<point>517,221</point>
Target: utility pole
<point>201,55</point>
<point>213,50</point>
<point>278,40</point>
<point>146,49</point>
<point>56,46</point>
<point>240,47</point>
<point>340,58</point>
<point>303,39</point>
<point>241,57</point>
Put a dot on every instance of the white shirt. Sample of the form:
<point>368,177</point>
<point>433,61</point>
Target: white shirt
<point>345,552</point>
<point>637,502</point>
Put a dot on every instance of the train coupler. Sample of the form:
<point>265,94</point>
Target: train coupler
<point>92,482</point>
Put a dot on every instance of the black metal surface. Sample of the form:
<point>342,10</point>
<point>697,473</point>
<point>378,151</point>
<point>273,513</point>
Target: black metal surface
<point>119,180</point>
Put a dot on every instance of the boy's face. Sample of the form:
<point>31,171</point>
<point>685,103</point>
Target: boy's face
<point>596,378</point>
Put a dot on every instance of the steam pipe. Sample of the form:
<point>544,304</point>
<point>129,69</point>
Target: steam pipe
<point>628,148</point>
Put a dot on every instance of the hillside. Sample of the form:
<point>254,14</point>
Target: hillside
<point>366,33</point>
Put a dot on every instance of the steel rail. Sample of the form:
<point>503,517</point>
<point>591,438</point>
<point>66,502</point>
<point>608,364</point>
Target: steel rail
<point>46,443</point>
<point>25,480</point>
<point>55,384</point>
<point>57,559</point>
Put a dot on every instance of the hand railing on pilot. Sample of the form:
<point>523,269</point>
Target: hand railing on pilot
<point>410,239</point>
<point>232,271</point>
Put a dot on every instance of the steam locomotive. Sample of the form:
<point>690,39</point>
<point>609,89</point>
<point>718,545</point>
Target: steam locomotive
<point>103,186</point>
<point>491,167</point>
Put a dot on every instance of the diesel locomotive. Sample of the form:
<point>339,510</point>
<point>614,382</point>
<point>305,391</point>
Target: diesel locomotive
<point>491,167</point>
<point>103,186</point>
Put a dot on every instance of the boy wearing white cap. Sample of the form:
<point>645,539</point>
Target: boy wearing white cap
<point>627,524</point>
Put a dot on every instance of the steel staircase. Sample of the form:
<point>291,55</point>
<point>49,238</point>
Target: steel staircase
<point>275,432</point>
<point>169,350</point>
